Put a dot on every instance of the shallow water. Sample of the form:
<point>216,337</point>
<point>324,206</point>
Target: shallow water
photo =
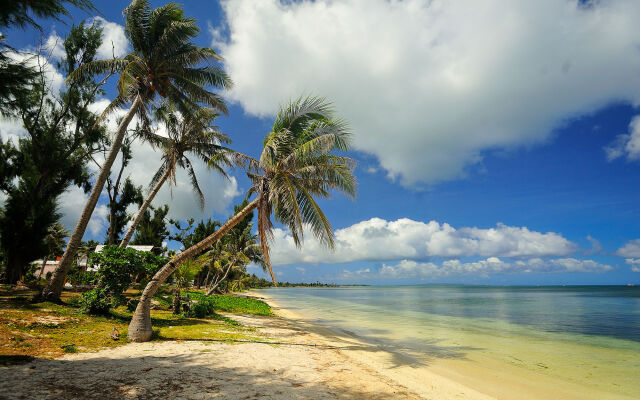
<point>578,335</point>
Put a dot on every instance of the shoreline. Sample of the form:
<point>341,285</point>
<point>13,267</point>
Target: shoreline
<point>471,377</point>
<point>424,383</point>
<point>279,361</point>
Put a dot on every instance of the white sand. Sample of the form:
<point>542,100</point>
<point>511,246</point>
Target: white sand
<point>297,369</point>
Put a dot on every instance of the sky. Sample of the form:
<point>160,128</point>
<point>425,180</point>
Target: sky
<point>498,143</point>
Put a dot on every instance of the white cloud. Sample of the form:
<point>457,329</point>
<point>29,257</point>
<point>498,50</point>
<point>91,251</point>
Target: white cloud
<point>72,203</point>
<point>114,40</point>
<point>11,129</point>
<point>429,85</point>
<point>53,46</point>
<point>596,246</point>
<point>483,268</point>
<point>631,249</point>
<point>380,240</point>
<point>626,145</point>
<point>183,204</point>
<point>634,264</point>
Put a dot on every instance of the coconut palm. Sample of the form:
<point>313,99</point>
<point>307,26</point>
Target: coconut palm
<point>236,253</point>
<point>192,134</point>
<point>296,165</point>
<point>183,277</point>
<point>164,61</point>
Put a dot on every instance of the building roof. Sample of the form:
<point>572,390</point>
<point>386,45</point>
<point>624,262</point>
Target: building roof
<point>135,247</point>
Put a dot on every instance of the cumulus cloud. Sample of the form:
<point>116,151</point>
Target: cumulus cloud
<point>114,41</point>
<point>53,46</point>
<point>627,145</point>
<point>71,204</point>
<point>631,249</point>
<point>483,268</point>
<point>596,246</point>
<point>634,263</point>
<point>428,86</point>
<point>380,240</point>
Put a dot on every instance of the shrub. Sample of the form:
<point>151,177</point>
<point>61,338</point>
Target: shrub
<point>132,304</point>
<point>203,308</point>
<point>77,276</point>
<point>117,267</point>
<point>95,301</point>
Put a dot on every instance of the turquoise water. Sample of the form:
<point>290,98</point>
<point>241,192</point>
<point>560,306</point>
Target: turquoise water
<point>586,335</point>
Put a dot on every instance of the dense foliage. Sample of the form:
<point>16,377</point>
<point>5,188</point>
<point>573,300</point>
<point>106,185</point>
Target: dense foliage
<point>152,230</point>
<point>116,269</point>
<point>61,135</point>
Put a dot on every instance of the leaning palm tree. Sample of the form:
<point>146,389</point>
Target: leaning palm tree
<point>165,61</point>
<point>192,134</point>
<point>296,164</point>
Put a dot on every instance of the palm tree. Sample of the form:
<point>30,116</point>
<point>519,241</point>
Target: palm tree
<point>296,164</point>
<point>183,277</point>
<point>237,252</point>
<point>192,134</point>
<point>55,241</point>
<point>165,61</point>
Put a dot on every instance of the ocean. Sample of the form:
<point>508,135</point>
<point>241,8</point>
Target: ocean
<point>582,341</point>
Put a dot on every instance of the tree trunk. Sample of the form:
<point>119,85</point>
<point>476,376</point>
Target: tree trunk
<point>220,281</point>
<point>54,288</point>
<point>140,328</point>
<point>14,269</point>
<point>44,264</point>
<point>143,208</point>
<point>111,234</point>
<point>205,279</point>
<point>176,300</point>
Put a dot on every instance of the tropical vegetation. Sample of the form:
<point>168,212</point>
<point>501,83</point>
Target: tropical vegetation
<point>165,98</point>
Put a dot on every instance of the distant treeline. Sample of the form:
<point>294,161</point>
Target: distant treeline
<point>254,282</point>
<point>313,284</point>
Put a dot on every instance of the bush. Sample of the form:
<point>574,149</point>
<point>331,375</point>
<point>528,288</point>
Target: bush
<point>132,304</point>
<point>77,276</point>
<point>95,301</point>
<point>203,308</point>
<point>117,268</point>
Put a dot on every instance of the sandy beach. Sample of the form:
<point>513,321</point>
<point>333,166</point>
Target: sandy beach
<point>288,358</point>
<point>290,364</point>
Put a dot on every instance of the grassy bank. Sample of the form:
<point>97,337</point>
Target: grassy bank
<point>235,304</point>
<point>49,330</point>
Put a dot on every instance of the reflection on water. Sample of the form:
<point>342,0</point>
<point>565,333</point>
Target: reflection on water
<point>584,334</point>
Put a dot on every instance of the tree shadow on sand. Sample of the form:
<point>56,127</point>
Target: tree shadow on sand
<point>177,376</point>
<point>414,352</point>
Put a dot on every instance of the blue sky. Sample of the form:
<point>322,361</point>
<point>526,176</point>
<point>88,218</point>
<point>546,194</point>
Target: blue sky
<point>511,129</point>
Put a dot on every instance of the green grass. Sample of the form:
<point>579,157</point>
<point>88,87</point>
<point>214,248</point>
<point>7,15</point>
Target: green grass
<point>49,330</point>
<point>233,304</point>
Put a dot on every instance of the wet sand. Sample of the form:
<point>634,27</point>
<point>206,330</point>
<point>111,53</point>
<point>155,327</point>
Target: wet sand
<point>471,375</point>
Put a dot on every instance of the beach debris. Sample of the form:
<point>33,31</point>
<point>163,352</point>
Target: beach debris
<point>115,335</point>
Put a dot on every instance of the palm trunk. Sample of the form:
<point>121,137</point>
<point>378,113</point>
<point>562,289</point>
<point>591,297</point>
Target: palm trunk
<point>204,281</point>
<point>220,281</point>
<point>44,264</point>
<point>176,301</point>
<point>54,288</point>
<point>143,208</point>
<point>140,328</point>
